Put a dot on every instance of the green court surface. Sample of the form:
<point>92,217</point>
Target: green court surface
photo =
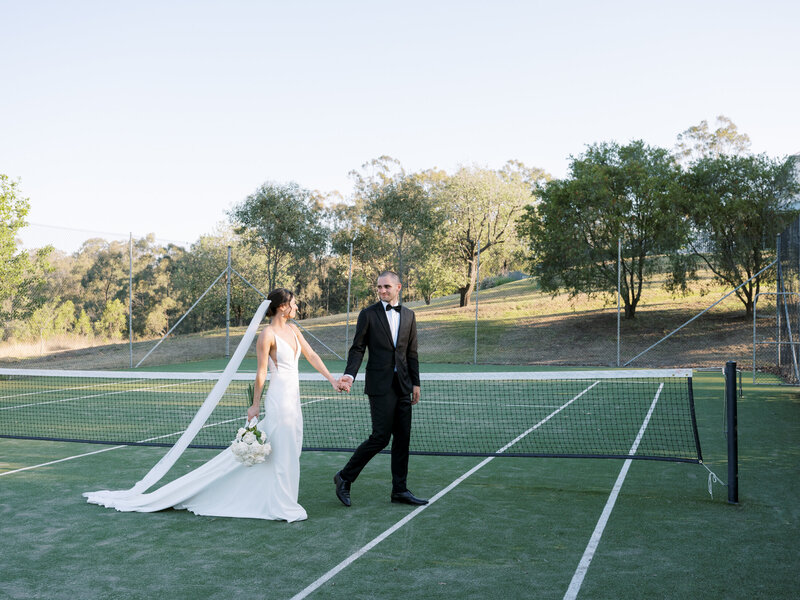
<point>496,528</point>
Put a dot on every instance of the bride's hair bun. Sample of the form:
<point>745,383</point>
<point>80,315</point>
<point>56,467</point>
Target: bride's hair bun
<point>278,297</point>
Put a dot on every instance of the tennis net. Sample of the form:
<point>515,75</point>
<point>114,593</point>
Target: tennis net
<point>645,414</point>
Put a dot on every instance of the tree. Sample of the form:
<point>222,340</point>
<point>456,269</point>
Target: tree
<point>396,219</point>
<point>104,269</point>
<point>113,320</point>
<point>613,192</point>
<point>280,220</point>
<point>157,320</point>
<point>483,207</point>
<point>699,142</point>
<point>738,205</point>
<point>83,326</point>
<point>40,323</point>
<point>433,277</point>
<point>64,318</point>
<point>22,274</point>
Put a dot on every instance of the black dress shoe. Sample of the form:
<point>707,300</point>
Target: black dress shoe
<point>342,488</point>
<point>407,498</point>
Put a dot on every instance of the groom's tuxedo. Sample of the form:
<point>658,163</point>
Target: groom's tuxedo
<point>373,334</point>
<point>392,371</point>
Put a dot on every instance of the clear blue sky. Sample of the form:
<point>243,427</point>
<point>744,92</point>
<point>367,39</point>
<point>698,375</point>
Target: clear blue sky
<point>158,116</point>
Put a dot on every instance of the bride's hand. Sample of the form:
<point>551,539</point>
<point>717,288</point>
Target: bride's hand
<point>252,412</point>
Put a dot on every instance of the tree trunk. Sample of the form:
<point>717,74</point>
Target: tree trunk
<point>466,291</point>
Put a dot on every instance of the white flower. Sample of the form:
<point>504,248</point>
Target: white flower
<point>251,445</point>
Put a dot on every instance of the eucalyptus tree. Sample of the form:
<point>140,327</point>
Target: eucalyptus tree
<point>698,141</point>
<point>481,209</point>
<point>612,192</point>
<point>22,273</point>
<point>739,204</point>
<point>283,222</point>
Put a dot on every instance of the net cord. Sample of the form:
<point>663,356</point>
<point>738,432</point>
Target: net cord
<point>173,454</point>
<point>469,376</point>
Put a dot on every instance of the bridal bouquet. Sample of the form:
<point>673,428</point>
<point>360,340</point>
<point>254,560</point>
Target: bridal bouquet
<point>251,445</point>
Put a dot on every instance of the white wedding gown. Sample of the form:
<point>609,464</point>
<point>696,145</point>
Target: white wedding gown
<point>224,487</point>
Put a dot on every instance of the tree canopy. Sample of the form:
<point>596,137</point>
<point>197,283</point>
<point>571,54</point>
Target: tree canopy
<point>22,274</point>
<point>737,205</point>
<point>612,193</point>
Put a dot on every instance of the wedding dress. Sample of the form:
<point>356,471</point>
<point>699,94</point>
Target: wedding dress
<point>224,487</point>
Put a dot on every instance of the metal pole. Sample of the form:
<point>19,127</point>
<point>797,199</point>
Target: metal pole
<point>619,291</point>
<point>228,308</point>
<point>778,299</point>
<point>733,441</point>
<point>477,288</point>
<point>349,281</point>
<point>130,298</point>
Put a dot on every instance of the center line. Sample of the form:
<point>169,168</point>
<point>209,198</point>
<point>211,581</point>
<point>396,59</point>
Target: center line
<point>594,541</point>
<point>359,553</point>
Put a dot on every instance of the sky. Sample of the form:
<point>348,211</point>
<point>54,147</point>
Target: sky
<point>157,117</point>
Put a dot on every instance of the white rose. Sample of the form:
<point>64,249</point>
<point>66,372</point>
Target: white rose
<point>249,437</point>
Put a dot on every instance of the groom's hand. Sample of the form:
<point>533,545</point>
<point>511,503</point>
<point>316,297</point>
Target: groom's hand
<point>345,382</point>
<point>415,394</point>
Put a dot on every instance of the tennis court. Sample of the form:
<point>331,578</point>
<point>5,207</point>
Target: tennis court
<point>496,527</point>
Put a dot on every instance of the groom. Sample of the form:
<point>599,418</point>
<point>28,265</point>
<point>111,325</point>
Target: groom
<point>389,332</point>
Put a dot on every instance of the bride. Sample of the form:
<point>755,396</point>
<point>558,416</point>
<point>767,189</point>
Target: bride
<point>224,487</point>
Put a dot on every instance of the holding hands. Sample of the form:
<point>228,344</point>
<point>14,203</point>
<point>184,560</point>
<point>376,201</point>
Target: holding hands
<point>344,383</point>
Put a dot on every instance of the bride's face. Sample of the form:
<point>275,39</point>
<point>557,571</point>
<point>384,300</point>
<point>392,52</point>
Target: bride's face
<point>289,309</point>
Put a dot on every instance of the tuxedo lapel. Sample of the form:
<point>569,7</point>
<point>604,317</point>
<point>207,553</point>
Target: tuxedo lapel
<point>384,321</point>
<point>403,325</point>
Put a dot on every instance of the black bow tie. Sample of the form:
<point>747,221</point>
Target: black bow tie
<point>390,307</point>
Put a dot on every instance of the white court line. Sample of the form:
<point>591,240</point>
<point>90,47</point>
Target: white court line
<point>594,541</point>
<point>52,462</point>
<point>153,389</point>
<point>364,549</point>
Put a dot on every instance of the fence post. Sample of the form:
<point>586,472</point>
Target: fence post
<point>778,299</point>
<point>349,281</point>
<point>619,292</point>
<point>733,440</point>
<point>477,289</point>
<point>130,298</point>
<point>228,307</point>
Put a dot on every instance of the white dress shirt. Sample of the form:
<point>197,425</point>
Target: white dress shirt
<point>394,321</point>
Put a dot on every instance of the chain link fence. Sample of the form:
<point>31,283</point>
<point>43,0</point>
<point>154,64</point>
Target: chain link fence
<point>508,321</point>
<point>776,321</point>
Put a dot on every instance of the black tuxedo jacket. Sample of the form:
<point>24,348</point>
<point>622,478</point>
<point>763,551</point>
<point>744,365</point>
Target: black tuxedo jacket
<point>373,334</point>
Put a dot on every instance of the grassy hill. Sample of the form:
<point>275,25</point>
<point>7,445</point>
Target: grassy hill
<point>518,324</point>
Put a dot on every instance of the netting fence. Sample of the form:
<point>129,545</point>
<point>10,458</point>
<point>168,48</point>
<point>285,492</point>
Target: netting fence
<point>108,304</point>
<point>647,414</point>
<point>776,319</point>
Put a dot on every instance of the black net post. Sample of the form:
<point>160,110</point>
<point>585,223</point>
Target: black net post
<point>733,441</point>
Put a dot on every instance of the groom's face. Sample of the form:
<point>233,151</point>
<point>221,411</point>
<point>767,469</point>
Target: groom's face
<point>388,289</point>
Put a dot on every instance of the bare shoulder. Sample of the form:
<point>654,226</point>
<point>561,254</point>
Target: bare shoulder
<point>296,330</point>
<point>266,336</point>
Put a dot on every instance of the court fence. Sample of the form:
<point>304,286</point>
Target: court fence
<point>508,321</point>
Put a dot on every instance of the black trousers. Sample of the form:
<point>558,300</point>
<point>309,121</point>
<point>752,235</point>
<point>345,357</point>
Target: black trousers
<point>391,419</point>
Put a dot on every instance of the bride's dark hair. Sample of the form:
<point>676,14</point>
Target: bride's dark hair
<point>278,297</point>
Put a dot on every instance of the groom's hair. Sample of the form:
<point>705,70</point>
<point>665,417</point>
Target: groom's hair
<point>391,274</point>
